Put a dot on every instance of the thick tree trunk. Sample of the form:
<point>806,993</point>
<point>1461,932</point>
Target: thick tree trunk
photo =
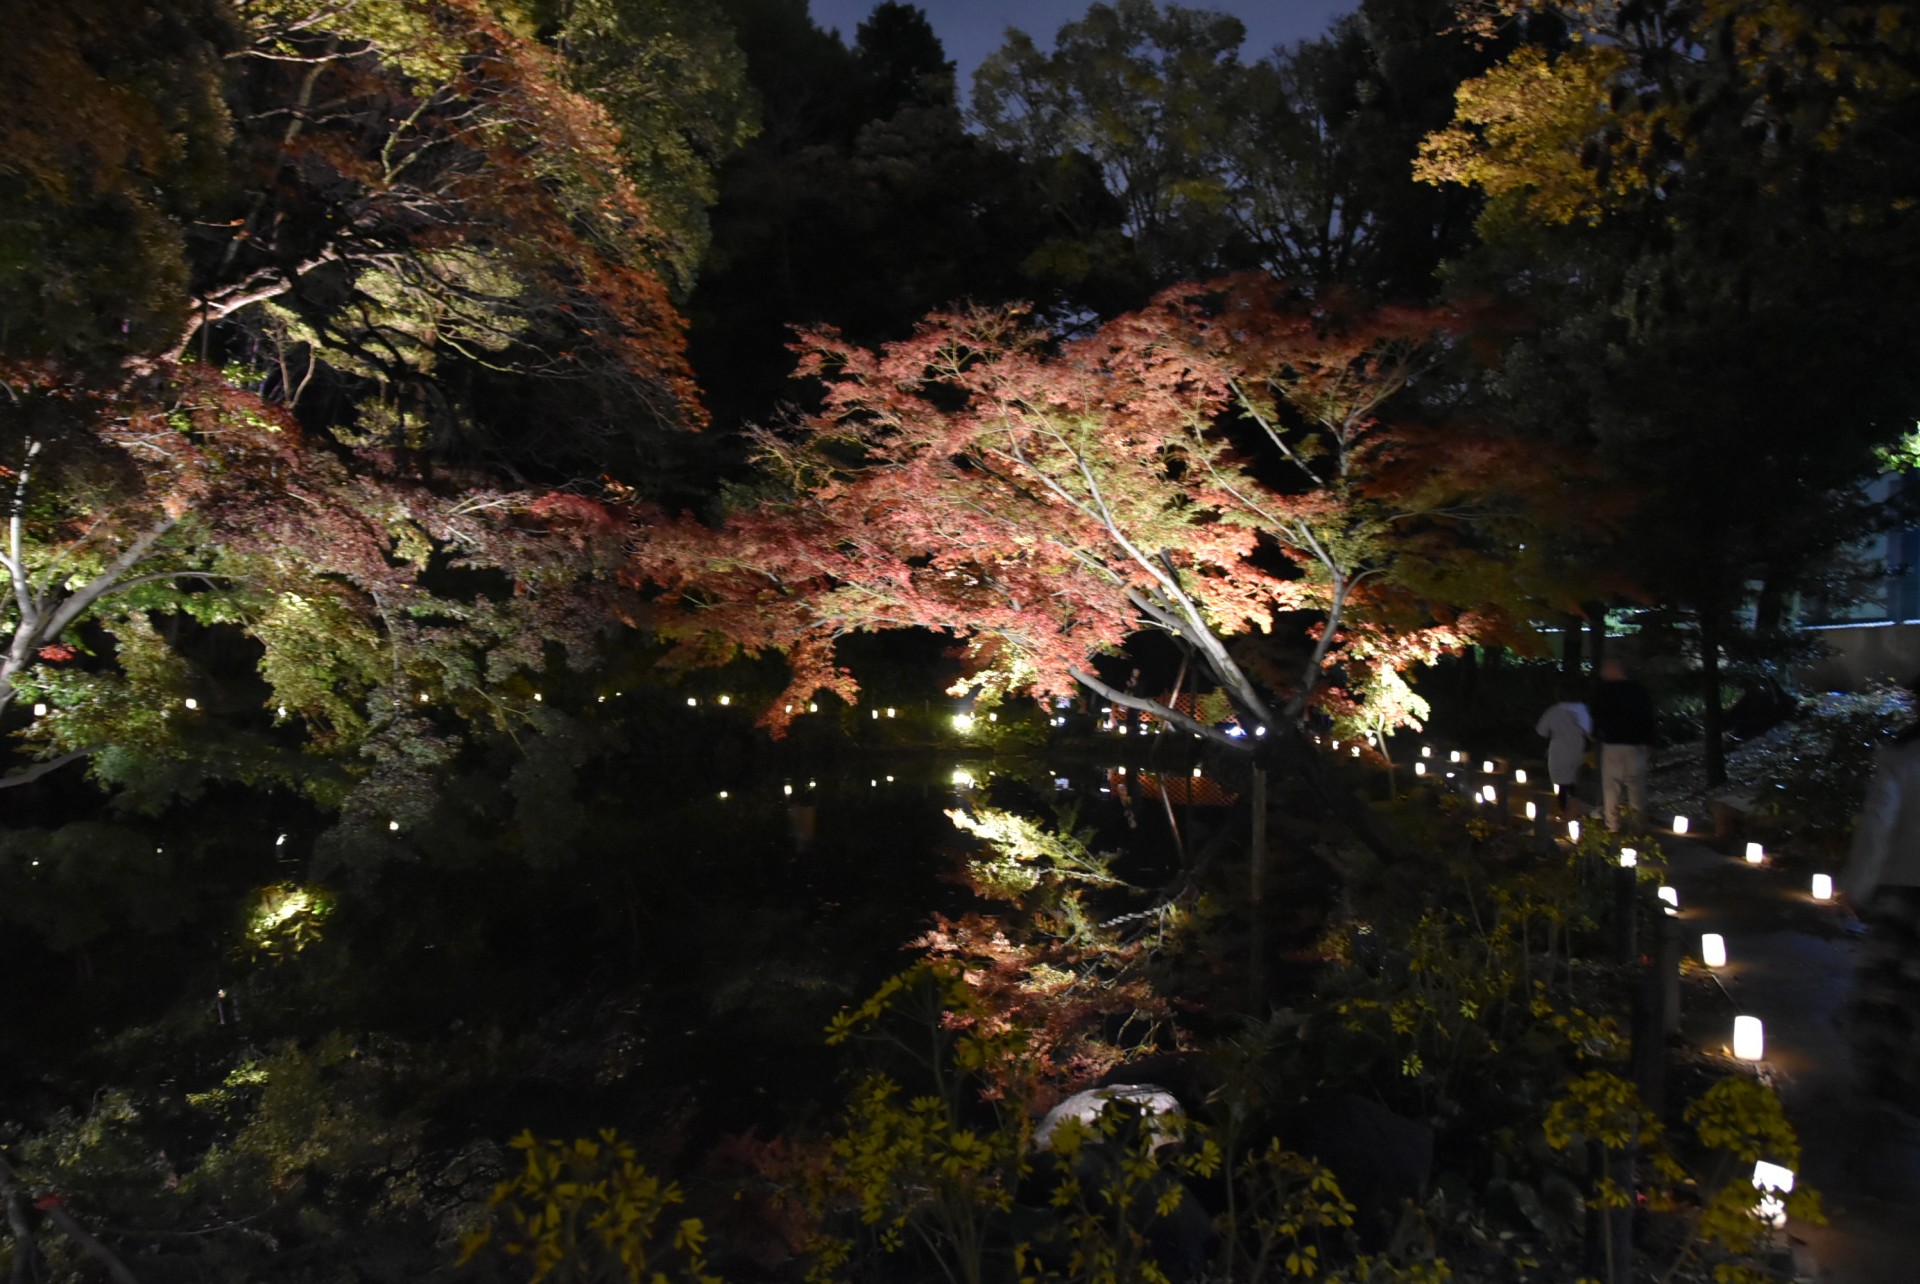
<point>1713,718</point>
<point>1597,626</point>
<point>1570,647</point>
<point>1256,894</point>
<point>1769,609</point>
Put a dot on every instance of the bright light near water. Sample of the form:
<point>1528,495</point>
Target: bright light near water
<point>1713,949</point>
<point>1629,858</point>
<point>1749,1043</point>
<point>1755,853</point>
<point>1679,824</point>
<point>1823,887</point>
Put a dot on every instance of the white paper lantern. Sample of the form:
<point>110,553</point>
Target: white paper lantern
<point>1713,949</point>
<point>1679,824</point>
<point>1520,776</point>
<point>1487,766</point>
<point>1426,751</point>
<point>1749,1041</point>
<point>1532,811</point>
<point>1755,853</point>
<point>1573,830</point>
<point>1669,896</point>
<point>1823,887</point>
<point>1419,768</point>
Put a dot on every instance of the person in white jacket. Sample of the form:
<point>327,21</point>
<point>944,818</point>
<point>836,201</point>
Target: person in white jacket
<point>1566,726</point>
<point>1881,882</point>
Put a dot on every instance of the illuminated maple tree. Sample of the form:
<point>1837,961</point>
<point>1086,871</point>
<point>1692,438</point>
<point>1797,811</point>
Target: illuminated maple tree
<point>1237,459</point>
<point>337,218</point>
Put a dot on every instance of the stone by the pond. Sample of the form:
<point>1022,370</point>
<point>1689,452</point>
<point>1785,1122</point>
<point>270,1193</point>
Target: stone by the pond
<point>1151,1099</point>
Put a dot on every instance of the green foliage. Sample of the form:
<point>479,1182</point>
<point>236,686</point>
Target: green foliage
<point>1813,773</point>
<point>587,1210</point>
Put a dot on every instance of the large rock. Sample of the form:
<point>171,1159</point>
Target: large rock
<point>1151,1099</point>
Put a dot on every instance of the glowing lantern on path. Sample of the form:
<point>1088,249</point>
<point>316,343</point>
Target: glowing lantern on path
<point>1573,830</point>
<point>1669,897</point>
<point>1419,768</point>
<point>1823,887</point>
<point>1749,1042</point>
<point>1532,811</point>
<point>1772,1181</point>
<point>1755,853</point>
<point>1679,824</point>
<point>1713,949</point>
<point>1487,766</point>
<point>1520,776</point>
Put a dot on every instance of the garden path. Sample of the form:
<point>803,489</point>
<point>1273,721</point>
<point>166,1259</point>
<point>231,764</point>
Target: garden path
<point>1790,963</point>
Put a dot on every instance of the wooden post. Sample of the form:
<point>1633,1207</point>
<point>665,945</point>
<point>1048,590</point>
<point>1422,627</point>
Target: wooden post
<point>1626,926</point>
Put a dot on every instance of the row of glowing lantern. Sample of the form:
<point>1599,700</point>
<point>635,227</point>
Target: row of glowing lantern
<point>1773,1181</point>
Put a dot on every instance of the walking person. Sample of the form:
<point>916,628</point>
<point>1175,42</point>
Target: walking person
<point>1881,882</point>
<point>1566,725</point>
<point>1623,724</point>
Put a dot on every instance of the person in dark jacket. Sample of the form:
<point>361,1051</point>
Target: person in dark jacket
<point>1623,724</point>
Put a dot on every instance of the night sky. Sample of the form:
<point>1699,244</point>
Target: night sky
<point>971,29</point>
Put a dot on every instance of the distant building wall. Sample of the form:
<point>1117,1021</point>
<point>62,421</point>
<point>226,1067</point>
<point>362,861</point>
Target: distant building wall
<point>1860,653</point>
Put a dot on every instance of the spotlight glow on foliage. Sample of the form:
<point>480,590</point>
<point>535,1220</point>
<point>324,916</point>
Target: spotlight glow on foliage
<point>286,918</point>
<point>1629,858</point>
